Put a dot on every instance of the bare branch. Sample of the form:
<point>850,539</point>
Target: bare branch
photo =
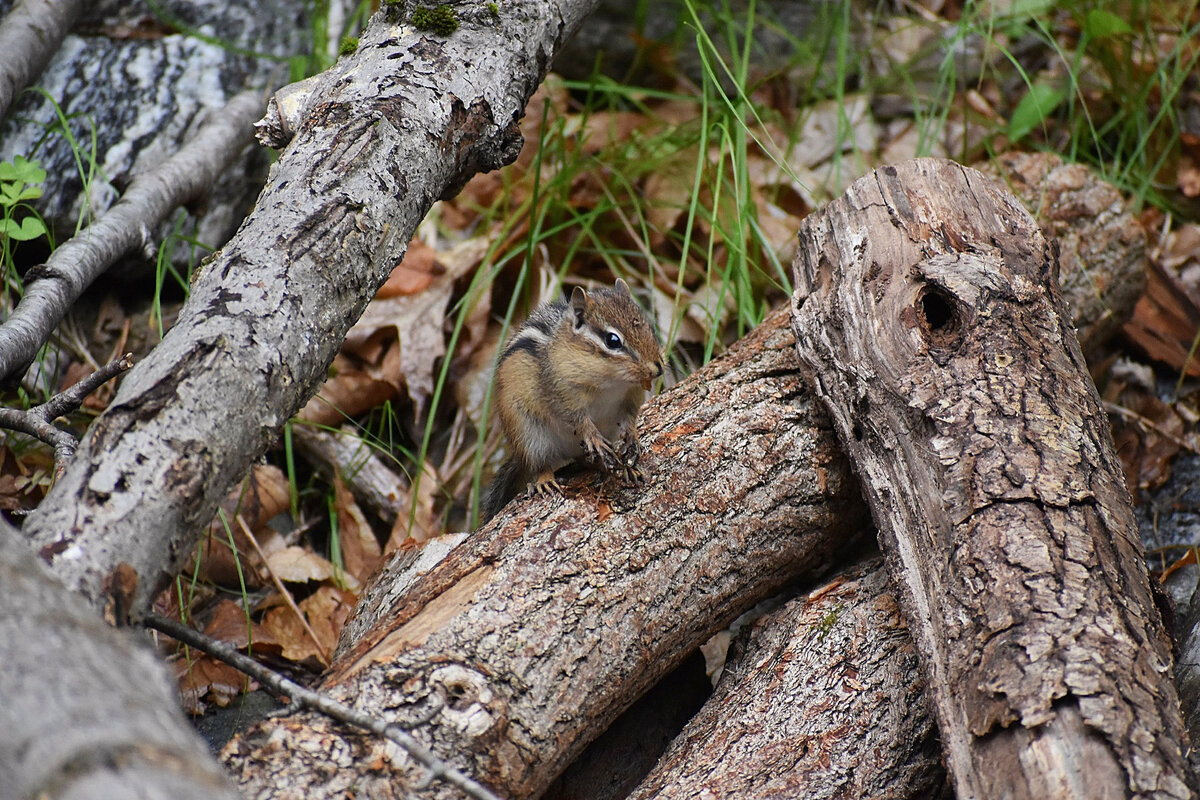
<point>38,421</point>
<point>55,285</point>
<point>325,704</point>
<point>29,37</point>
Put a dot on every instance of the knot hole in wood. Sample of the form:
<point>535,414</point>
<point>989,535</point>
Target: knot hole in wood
<point>940,316</point>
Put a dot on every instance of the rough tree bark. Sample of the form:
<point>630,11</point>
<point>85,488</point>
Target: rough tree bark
<point>822,700</point>
<point>929,319</point>
<point>409,117</point>
<point>530,637</point>
<point>107,724</point>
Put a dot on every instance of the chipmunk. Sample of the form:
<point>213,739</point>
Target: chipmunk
<point>569,385</point>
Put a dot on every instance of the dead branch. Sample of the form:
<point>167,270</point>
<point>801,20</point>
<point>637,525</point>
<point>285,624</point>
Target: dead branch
<point>929,320</point>
<point>87,711</point>
<point>823,699</point>
<point>38,421</point>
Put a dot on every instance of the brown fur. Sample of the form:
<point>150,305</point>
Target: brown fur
<point>563,394</point>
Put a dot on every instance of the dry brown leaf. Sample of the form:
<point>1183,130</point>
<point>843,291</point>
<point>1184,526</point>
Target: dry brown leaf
<point>606,128</point>
<point>205,678</point>
<point>413,274</point>
<point>667,192</point>
<point>418,525</point>
<point>417,323</point>
<point>326,610</point>
<point>1146,443</point>
<point>353,389</point>
<point>360,549</point>
<point>264,494</point>
<point>230,624</point>
<point>297,565</point>
<point>283,625</point>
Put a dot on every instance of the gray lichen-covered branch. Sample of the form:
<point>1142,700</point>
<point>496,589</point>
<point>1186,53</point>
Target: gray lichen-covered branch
<point>30,33</point>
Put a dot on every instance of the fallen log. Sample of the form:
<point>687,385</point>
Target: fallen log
<point>529,638</point>
<point>823,699</point>
<point>929,320</point>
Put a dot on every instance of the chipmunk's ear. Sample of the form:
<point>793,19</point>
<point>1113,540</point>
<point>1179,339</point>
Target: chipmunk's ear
<point>578,305</point>
<point>623,288</point>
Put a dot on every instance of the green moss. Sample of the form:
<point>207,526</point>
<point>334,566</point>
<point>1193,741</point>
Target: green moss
<point>494,8</point>
<point>439,19</point>
<point>348,45</point>
<point>825,625</point>
<point>393,2</point>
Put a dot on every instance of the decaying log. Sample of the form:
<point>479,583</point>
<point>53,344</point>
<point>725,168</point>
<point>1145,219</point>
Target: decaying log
<point>1101,244</point>
<point>822,700</point>
<point>929,320</point>
<point>521,645</point>
<point>85,710</point>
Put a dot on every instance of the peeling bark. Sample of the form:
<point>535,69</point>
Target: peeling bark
<point>518,648</point>
<point>929,320</point>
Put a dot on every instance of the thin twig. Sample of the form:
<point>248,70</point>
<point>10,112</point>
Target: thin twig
<point>39,420</point>
<point>1151,425</point>
<point>438,769</point>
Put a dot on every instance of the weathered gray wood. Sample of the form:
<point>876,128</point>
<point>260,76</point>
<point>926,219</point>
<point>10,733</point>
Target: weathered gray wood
<point>529,638</point>
<point>823,699</point>
<point>30,33</point>
<point>86,711</point>
<point>409,117</point>
<point>929,320</point>
<point>132,89</point>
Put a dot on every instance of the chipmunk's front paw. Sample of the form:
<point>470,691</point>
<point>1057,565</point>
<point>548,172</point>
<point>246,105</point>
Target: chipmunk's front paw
<point>599,451</point>
<point>545,485</point>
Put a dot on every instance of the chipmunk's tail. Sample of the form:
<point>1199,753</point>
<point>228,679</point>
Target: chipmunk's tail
<point>504,487</point>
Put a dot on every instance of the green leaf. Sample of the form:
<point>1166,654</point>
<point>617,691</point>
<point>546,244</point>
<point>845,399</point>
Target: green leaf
<point>1038,104</point>
<point>30,228</point>
<point>7,171</point>
<point>28,171</point>
<point>30,193</point>
<point>9,193</point>
<point>1100,23</point>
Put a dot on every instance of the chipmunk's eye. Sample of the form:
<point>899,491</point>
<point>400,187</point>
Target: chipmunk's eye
<point>612,341</point>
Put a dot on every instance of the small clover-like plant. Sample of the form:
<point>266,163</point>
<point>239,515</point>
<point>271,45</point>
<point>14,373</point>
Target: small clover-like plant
<point>19,183</point>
